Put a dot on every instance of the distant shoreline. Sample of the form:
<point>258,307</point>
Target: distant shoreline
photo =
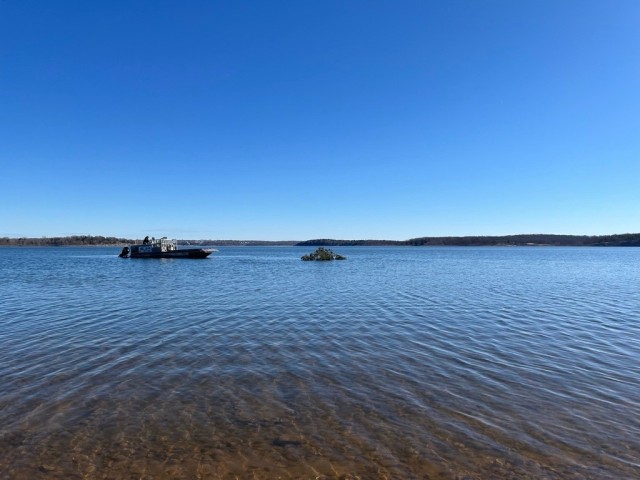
<point>520,240</point>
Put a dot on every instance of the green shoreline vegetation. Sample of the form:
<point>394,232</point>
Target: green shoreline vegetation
<point>616,240</point>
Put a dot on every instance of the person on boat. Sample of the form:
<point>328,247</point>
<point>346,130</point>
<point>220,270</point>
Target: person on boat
<point>146,240</point>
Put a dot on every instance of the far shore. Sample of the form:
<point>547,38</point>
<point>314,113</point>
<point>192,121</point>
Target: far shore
<point>520,240</point>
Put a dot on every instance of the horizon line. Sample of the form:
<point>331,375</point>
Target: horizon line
<point>11,237</point>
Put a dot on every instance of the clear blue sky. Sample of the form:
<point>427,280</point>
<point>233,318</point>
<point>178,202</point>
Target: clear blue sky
<point>305,119</point>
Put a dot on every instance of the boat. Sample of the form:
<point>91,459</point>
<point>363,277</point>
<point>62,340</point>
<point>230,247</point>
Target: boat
<point>163,248</point>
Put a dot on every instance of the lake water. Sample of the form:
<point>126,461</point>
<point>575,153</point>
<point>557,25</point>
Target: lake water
<point>425,363</point>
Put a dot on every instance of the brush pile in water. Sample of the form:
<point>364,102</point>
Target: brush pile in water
<point>323,254</point>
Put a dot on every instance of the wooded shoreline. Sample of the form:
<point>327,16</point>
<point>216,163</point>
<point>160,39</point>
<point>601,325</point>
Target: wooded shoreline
<point>616,240</point>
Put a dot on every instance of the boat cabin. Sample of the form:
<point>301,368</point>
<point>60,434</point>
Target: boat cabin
<point>161,245</point>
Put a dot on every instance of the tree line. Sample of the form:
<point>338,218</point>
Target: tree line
<point>73,240</point>
<point>617,240</point>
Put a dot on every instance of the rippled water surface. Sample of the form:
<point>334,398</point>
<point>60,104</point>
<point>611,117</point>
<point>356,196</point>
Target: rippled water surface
<point>426,363</point>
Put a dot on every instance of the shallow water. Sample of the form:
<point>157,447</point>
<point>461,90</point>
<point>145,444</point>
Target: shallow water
<point>439,363</point>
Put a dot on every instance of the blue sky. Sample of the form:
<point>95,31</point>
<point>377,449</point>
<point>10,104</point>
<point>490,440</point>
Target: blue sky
<point>333,119</point>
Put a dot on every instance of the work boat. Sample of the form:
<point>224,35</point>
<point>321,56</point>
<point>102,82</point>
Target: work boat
<point>163,248</point>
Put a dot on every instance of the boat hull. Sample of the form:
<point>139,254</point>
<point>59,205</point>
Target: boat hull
<point>182,253</point>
